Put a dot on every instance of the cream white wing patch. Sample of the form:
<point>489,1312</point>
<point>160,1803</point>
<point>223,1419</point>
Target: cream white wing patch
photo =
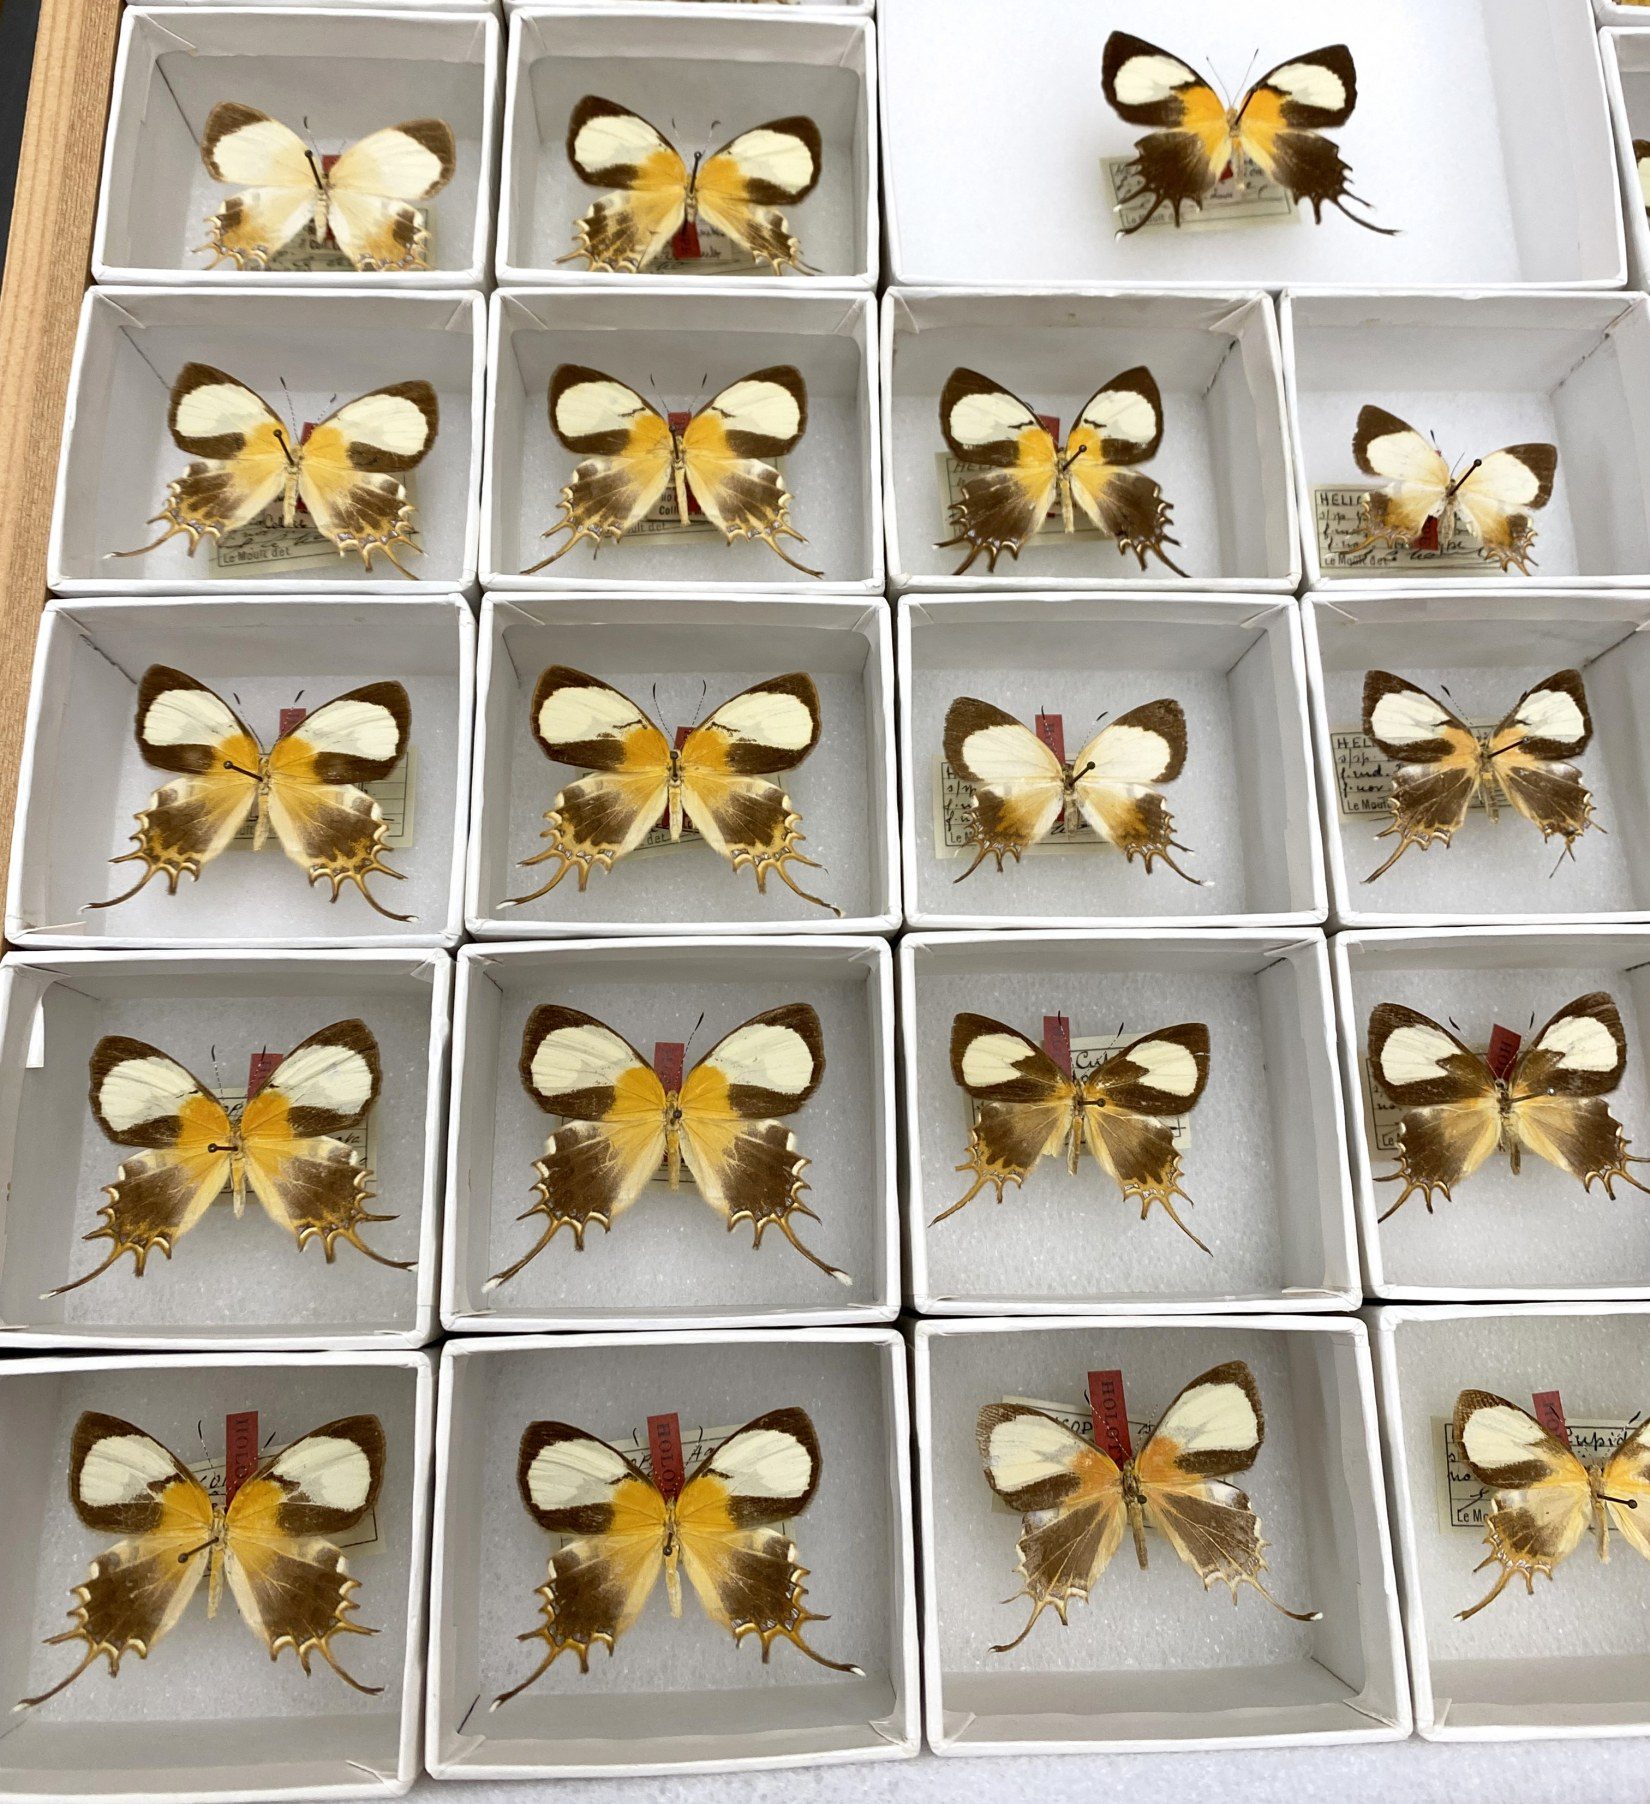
<point>330,1471</point>
<point>324,1075</point>
<point>1416,1054</point>
<point>214,408</point>
<point>768,1055</point>
<point>190,715</point>
<point>1408,716</point>
<point>1029,1448</point>
<point>1581,1043</point>
<point>766,1462</point>
<point>140,1091</point>
<point>575,1055</point>
<point>389,421</point>
<point>1219,1417</point>
<point>995,1058</point>
<point>589,411</point>
<point>573,1474</point>
<point>354,727</point>
<point>1166,1065</point>
<point>119,1469</point>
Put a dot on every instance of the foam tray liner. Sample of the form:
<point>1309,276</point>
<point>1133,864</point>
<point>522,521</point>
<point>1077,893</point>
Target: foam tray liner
<point>680,672</point>
<point>1264,1172</point>
<point>673,1689</point>
<point>1153,1653</point>
<point>1538,1232</point>
<point>670,1257</point>
<point>1574,1656</point>
<point>227,1277</point>
<point>208,1710</point>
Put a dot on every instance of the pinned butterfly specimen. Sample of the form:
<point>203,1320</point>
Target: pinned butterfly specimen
<point>280,1141</point>
<point>1545,1498</point>
<point>738,190</point>
<point>1458,1111</point>
<point>1029,1109</point>
<point>1021,788</point>
<point>1026,472</point>
<point>1076,1501</point>
<point>1641,161</point>
<point>364,197</point>
<point>716,779</point>
<point>306,786</point>
<point>1493,496</point>
<point>620,1120</point>
<point>346,471</point>
<point>1443,765</point>
<point>633,454</point>
<point>1199,138</point>
<point>723,1528</point>
<point>271,1542</point>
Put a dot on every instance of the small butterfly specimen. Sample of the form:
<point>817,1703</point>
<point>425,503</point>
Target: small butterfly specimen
<point>723,1528</point>
<point>1545,1499</point>
<point>716,779</point>
<point>346,471</point>
<point>271,1541</point>
<point>633,454</point>
<point>306,786</point>
<point>620,1121</point>
<point>1026,472</point>
<point>364,198</point>
<point>1198,138</point>
<point>738,190</point>
<point>280,1141</point>
<point>1076,1501</point>
<point>1458,1111</point>
<point>1029,1109</point>
<point>1493,496</point>
<point>1021,788</point>
<point>1443,766</point>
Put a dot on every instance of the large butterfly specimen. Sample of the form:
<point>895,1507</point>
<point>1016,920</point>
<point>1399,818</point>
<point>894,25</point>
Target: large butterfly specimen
<point>306,787</point>
<point>619,1121</point>
<point>1021,789</point>
<point>364,196</point>
<point>633,454</point>
<point>1077,1501</point>
<point>1027,1109</point>
<point>738,189</point>
<point>1457,1111</point>
<point>271,1542</point>
<point>1443,766</point>
<point>716,780</point>
<point>723,1528</point>
<point>280,1142</point>
<point>1199,138</point>
<point>1493,496</point>
<point>1025,472</point>
<point>346,471</point>
<point>1545,1499</point>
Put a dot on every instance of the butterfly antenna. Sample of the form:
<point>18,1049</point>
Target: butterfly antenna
<point>291,412</point>
<point>696,1026</point>
<point>704,690</point>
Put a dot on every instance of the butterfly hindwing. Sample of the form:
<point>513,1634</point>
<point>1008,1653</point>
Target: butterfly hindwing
<point>744,1159</point>
<point>727,448</point>
<point>1119,425</point>
<point>184,727</point>
<point>742,186</point>
<point>308,1181</point>
<point>1213,1428</point>
<point>725,762</point>
<point>1161,1074</point>
<point>1543,1501</point>
<point>1025,1105</point>
<point>612,1133</point>
<point>123,1481</point>
<point>1070,1495</point>
<point>271,164</point>
<point>1531,751</point>
<point>350,469</point>
<point>371,188</point>
<point>628,451</point>
<point>326,822</point>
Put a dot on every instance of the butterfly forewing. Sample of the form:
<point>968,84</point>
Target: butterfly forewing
<point>1627,1488</point>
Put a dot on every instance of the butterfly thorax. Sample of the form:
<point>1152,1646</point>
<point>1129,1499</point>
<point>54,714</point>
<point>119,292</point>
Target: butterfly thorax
<point>674,793</point>
<point>1134,1504</point>
<point>673,1157</point>
<point>671,1553</point>
<point>1512,1143</point>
